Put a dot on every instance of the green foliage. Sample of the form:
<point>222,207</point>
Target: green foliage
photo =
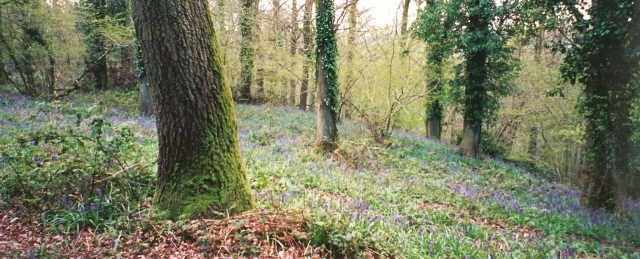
<point>26,48</point>
<point>491,147</point>
<point>87,174</point>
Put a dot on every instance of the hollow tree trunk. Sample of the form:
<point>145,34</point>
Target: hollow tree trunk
<point>326,77</point>
<point>200,172</point>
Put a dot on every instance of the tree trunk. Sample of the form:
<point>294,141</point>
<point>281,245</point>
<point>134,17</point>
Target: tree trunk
<point>404,27</point>
<point>200,172</point>
<point>326,77</point>
<point>292,50</point>
<point>146,101</point>
<point>350,78</point>
<point>434,120</point>
<point>434,112</point>
<point>608,102</point>
<point>247,51</point>
<point>533,141</point>
<point>475,92</point>
<point>307,37</point>
<point>97,60</point>
<point>4,76</point>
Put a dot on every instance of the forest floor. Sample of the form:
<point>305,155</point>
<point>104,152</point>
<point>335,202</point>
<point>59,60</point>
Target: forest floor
<point>414,199</point>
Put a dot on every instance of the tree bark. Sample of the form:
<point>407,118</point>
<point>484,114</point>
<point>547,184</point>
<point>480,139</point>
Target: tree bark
<point>200,172</point>
<point>307,37</point>
<point>326,77</point>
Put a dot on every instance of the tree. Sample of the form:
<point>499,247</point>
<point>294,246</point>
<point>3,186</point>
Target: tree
<point>293,49</point>
<point>404,25</point>
<point>146,101</point>
<point>200,172</point>
<point>479,30</point>
<point>119,19</point>
<point>350,77</point>
<point>92,24</point>
<point>307,37</point>
<point>247,51</point>
<point>327,91</point>
<point>605,57</point>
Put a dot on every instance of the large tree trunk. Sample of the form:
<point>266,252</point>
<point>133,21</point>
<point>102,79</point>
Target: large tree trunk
<point>608,102</point>
<point>474,92</point>
<point>200,172</point>
<point>326,77</point>
<point>247,51</point>
<point>307,37</point>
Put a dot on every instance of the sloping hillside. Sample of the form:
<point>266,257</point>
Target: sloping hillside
<point>413,199</point>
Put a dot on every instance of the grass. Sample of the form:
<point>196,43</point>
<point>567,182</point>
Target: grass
<point>414,199</point>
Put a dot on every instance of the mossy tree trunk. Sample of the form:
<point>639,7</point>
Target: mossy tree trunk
<point>200,172</point>
<point>326,77</point>
<point>247,51</point>
<point>475,94</point>
<point>307,37</point>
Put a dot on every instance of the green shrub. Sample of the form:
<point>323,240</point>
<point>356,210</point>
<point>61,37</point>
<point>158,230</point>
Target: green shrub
<point>84,174</point>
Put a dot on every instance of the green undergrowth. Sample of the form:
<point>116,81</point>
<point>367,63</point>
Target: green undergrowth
<point>412,199</point>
